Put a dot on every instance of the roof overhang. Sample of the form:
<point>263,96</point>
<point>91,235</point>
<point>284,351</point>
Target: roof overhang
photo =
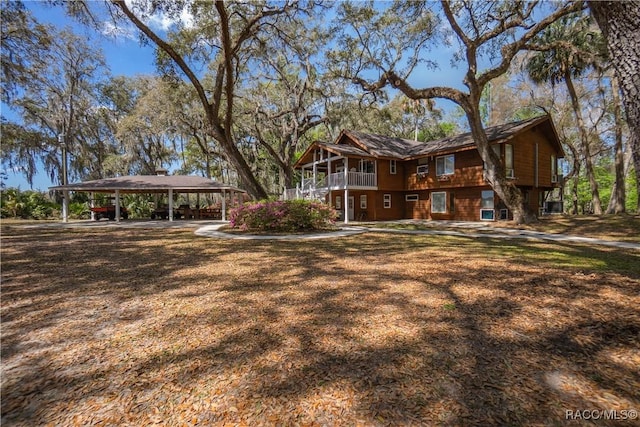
<point>150,184</point>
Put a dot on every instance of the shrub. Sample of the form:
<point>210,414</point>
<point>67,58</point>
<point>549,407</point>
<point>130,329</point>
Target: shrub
<point>282,215</point>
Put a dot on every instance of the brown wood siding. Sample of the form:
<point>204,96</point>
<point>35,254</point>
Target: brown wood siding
<point>524,159</point>
<point>387,181</point>
<point>418,209</point>
<point>467,172</point>
<point>385,214</point>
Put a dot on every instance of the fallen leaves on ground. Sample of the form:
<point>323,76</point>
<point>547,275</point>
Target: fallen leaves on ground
<point>157,327</point>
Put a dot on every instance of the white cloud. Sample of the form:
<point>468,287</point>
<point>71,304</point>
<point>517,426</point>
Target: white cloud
<point>128,32</point>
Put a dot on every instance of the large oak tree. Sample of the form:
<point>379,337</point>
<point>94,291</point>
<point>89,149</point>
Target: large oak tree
<point>620,25</point>
<point>492,31</point>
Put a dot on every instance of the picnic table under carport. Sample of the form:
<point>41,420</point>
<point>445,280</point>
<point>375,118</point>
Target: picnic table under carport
<point>149,184</point>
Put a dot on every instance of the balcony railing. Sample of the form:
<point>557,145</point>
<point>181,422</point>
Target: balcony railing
<point>354,179</point>
<point>334,181</point>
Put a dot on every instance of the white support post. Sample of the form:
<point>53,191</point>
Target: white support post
<point>346,190</point>
<point>92,204</point>
<point>302,183</point>
<point>117,205</point>
<point>171,204</point>
<point>65,206</point>
<point>224,205</point>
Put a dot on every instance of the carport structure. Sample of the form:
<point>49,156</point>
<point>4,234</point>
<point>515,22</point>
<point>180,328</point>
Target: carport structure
<point>150,184</point>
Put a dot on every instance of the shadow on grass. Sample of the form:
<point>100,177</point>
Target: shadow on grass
<point>375,328</point>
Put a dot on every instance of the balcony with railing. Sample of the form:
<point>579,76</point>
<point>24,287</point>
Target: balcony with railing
<point>317,189</point>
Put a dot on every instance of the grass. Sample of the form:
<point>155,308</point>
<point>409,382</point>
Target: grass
<point>135,327</point>
<point>623,228</point>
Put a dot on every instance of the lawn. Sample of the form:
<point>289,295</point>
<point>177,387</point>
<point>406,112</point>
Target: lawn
<point>136,327</point>
<point>622,228</point>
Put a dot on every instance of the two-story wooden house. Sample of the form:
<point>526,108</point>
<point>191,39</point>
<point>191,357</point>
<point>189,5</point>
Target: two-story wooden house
<point>373,177</point>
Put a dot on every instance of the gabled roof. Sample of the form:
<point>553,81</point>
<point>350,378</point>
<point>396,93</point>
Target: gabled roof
<point>379,145</point>
<point>359,144</point>
<point>150,184</point>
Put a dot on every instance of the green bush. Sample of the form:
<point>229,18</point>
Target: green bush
<point>25,204</point>
<point>282,216</point>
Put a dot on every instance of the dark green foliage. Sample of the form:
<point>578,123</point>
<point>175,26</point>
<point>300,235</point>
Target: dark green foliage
<point>25,204</point>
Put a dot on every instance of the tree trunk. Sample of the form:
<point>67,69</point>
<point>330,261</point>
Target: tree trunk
<point>620,25</point>
<point>588,162</point>
<point>495,174</point>
<point>618,197</point>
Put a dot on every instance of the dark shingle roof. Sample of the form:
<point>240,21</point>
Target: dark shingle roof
<point>385,146</point>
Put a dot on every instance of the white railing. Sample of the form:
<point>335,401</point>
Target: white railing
<point>334,181</point>
<point>354,179</point>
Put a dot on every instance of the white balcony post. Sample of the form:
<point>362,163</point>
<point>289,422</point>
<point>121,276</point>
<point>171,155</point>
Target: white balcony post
<point>346,190</point>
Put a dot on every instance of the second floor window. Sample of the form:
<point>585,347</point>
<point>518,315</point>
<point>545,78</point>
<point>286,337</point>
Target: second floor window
<point>366,166</point>
<point>392,167</point>
<point>508,161</point>
<point>445,165</point>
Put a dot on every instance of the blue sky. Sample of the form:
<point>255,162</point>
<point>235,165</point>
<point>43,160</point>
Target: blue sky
<point>126,56</point>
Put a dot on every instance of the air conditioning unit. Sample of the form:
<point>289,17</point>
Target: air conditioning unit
<point>423,169</point>
<point>554,178</point>
<point>510,173</point>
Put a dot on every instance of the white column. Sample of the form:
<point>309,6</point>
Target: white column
<point>315,168</point>
<point>171,204</point>
<point>117,205</point>
<point>346,190</point>
<point>92,204</point>
<point>65,206</point>
<point>224,205</point>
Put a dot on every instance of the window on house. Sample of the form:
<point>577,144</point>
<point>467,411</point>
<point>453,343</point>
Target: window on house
<point>366,166</point>
<point>439,202</point>
<point>445,165</point>
<point>508,161</point>
<point>386,201</point>
<point>487,199</point>
<point>411,197</point>
<point>496,149</point>
<point>392,167</point>
<point>554,168</point>
<point>363,201</point>
<point>338,202</point>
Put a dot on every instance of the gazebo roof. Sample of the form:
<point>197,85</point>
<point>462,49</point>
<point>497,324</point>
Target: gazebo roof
<point>150,184</point>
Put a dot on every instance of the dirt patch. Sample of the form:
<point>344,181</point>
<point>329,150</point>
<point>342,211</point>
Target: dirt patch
<point>135,327</point>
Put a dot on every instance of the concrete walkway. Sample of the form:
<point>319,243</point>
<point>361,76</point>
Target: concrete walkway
<point>468,229</point>
<point>213,231</point>
<point>510,233</point>
<point>461,229</point>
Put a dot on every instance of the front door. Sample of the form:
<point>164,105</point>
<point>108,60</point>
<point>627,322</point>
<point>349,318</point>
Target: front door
<point>351,212</point>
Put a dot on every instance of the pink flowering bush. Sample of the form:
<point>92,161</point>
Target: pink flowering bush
<point>282,215</point>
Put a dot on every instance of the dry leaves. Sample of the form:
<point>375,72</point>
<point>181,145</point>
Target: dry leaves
<point>157,327</point>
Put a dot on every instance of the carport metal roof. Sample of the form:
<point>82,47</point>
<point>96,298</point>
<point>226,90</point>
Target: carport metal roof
<point>150,184</point>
